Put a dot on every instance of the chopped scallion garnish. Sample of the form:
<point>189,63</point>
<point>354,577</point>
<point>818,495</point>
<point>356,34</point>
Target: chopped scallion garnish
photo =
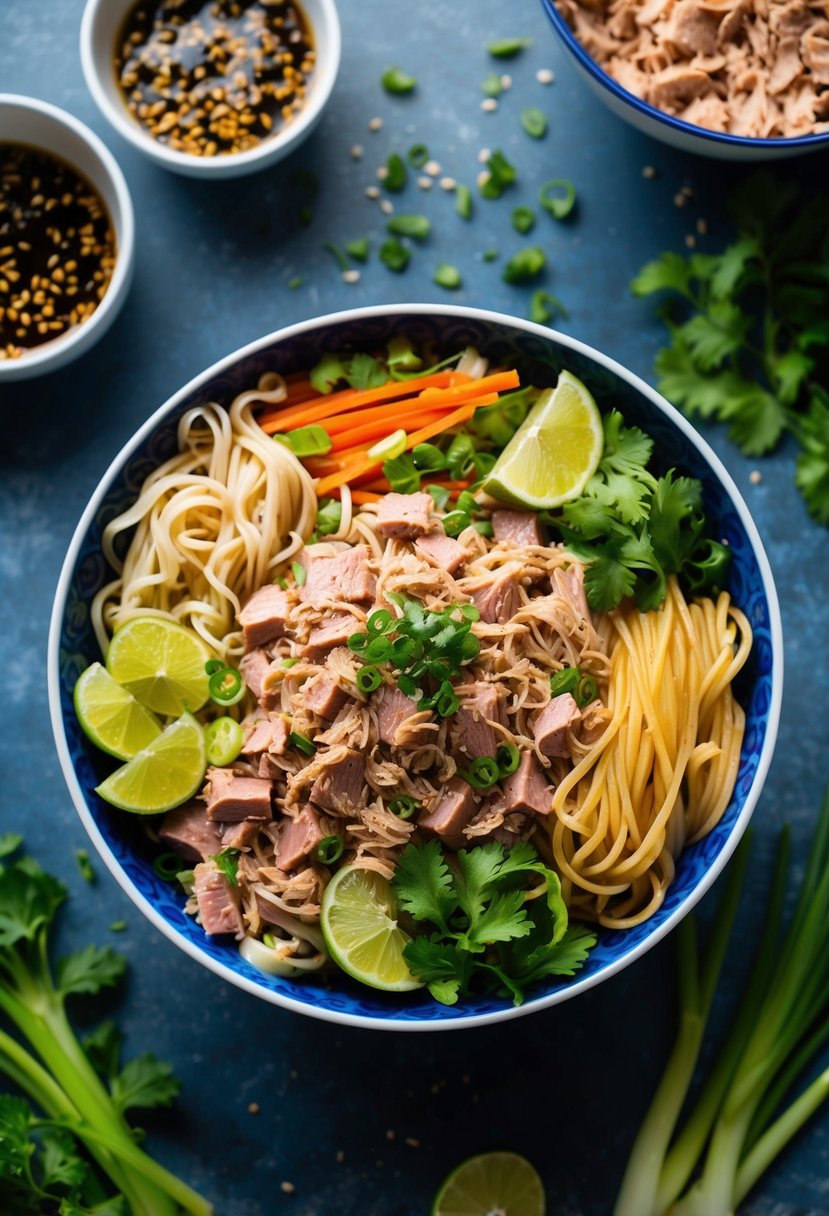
<point>558,197</point>
<point>395,80</point>
<point>523,220</point>
<point>306,441</point>
<point>329,850</point>
<point>394,255</point>
<point>525,265</point>
<point>447,276</point>
<point>369,679</point>
<point>226,686</point>
<point>417,227</point>
<point>417,155</point>
<point>403,806</point>
<point>534,122</point>
<point>302,743</point>
<point>566,680</point>
<point>507,757</point>
<point>299,572</point>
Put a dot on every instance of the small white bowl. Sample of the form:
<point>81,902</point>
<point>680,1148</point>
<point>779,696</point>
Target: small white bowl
<point>35,124</point>
<point>100,28</point>
<point>669,130</point>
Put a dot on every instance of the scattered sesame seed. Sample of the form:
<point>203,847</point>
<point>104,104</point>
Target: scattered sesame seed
<point>253,1108</point>
<point>287,1187</point>
<point>755,477</point>
<point>702,226</point>
<point>390,1133</point>
<point>412,1142</point>
<point>372,192</point>
<point>649,171</point>
<point>482,178</point>
<point>382,172</point>
<point>483,156</point>
<point>679,199</point>
<point>489,104</point>
<point>432,168</point>
<point>545,76</point>
<point>506,81</point>
<point>425,183</point>
<point>448,183</point>
<point>351,276</point>
<point>375,124</point>
<point>340,1157</point>
<point>687,191</point>
<point>386,206</point>
<point>357,152</point>
<point>690,240</point>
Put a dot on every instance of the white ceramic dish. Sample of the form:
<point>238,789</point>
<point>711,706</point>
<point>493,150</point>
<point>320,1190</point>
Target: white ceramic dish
<point>25,120</point>
<point>664,127</point>
<point>100,27</point>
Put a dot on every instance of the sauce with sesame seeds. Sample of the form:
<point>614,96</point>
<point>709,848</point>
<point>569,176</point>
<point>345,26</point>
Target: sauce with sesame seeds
<point>57,249</point>
<point>214,77</point>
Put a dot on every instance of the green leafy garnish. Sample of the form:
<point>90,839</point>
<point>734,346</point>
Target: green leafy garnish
<point>523,220</point>
<point>480,928</point>
<point>228,863</point>
<point>749,329</point>
<point>534,122</point>
<point>525,265</point>
<point>395,80</point>
<point>329,517</point>
<point>508,48</point>
<point>306,441</point>
<point>358,250</point>
<point>394,255</point>
<point>500,174</point>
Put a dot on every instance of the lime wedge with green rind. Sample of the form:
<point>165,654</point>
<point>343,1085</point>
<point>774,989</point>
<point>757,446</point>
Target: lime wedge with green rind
<point>502,1183</point>
<point>162,775</point>
<point>554,452</point>
<point>110,715</point>
<point>359,923</point>
<point>161,663</point>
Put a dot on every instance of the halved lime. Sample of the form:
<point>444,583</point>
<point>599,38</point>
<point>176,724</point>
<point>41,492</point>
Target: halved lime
<point>494,1184</point>
<point>161,664</point>
<point>164,774</point>
<point>554,452</point>
<point>111,716</point>
<point>359,923</point>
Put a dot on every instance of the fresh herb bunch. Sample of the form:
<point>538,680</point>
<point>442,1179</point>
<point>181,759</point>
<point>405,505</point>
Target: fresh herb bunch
<point>746,1111</point>
<point>76,1098</point>
<point>490,926</point>
<point>634,529</point>
<point>750,329</point>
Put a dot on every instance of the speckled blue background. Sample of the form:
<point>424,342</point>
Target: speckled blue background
<point>566,1087</point>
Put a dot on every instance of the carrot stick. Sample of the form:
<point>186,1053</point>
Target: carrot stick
<point>361,497</point>
<point>331,404</point>
<point>374,431</point>
<point>389,412</point>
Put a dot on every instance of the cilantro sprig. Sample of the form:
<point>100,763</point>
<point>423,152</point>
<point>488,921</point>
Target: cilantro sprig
<point>635,529</point>
<point>485,932</point>
<point>749,329</point>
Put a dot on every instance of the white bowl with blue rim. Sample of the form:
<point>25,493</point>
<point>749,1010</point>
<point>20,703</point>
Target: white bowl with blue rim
<point>538,353</point>
<point>686,136</point>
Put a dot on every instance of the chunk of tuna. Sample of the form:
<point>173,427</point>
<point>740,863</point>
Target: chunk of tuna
<point>442,551</point>
<point>473,733</point>
<point>527,790</point>
<point>393,708</point>
<point>335,631</point>
<point>569,584</point>
<point>499,601</point>
<point>324,696</point>
<point>230,797</point>
<point>217,901</point>
<point>266,735</point>
<point>189,832</point>
<point>552,724</point>
<point>240,835</point>
<point>298,838</point>
<point>404,516</point>
<point>517,527</point>
<point>451,813</point>
<point>345,576</point>
<point>339,787</point>
<point>254,667</point>
<point>265,616</point>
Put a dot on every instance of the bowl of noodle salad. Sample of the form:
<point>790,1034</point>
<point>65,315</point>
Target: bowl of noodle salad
<point>464,738</point>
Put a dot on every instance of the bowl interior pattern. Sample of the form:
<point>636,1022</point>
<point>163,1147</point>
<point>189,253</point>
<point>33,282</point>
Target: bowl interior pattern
<point>539,357</point>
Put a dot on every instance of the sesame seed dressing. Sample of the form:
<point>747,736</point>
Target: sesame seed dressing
<point>214,78</point>
<point>57,249</point>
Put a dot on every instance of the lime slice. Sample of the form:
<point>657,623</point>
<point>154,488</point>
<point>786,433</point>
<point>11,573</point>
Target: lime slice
<point>111,716</point>
<point>164,774</point>
<point>161,664</point>
<point>495,1184</point>
<point>360,929</point>
<point>554,452</point>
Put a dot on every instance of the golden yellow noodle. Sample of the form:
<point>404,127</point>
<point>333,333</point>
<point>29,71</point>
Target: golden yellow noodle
<point>661,774</point>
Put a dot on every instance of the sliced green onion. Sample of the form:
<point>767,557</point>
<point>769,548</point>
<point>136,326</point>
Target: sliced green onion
<point>417,227</point>
<point>417,155</point>
<point>302,743</point>
<point>463,202</point>
<point>403,806</point>
<point>357,642</point>
<point>586,691</point>
<point>369,679</point>
<point>470,612</point>
<point>455,522</point>
<point>379,622</point>
<point>507,48</point>
<point>460,455</point>
<point>490,255</point>
<point>558,197</point>
<point>289,662</point>
<point>428,457</point>
<point>507,757</point>
<point>491,85</point>
<point>168,866</point>
<point>467,502</point>
<point>470,648</point>
<point>295,282</point>
<point>390,447</point>
<point>523,220</point>
<point>395,80</point>
<point>396,174</point>
<point>447,276</point>
<point>484,527</point>
<point>299,572</point>
<point>440,496</point>
<point>281,582</point>
<point>500,175</point>
<point>394,255</point>
<point>534,122</point>
<point>224,738</point>
<point>358,250</point>
<point>378,650</point>
<point>212,666</point>
<point>329,850</point>
<point>483,773</point>
<point>269,940</point>
<point>226,686</point>
<point>566,680</point>
<point>446,700</point>
<point>544,306</point>
<point>329,517</point>
<point>525,265</point>
<point>306,441</point>
<point>228,863</point>
<point>402,474</point>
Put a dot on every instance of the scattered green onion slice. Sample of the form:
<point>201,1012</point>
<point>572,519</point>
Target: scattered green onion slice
<point>299,572</point>
<point>534,122</point>
<point>358,250</point>
<point>394,255</point>
<point>544,306</point>
<point>507,48</point>
<point>168,866</point>
<point>378,650</point>
<point>306,441</point>
<point>586,691</point>
<point>289,662</point>
<point>269,940</point>
<point>483,773</point>
<point>463,202</point>
<point>329,850</point>
<point>490,255</point>
<point>417,227</point>
<point>391,446</point>
<point>379,622</point>
<point>396,174</point>
<point>224,738</point>
<point>295,282</point>
<point>558,197</point>
<point>491,85</point>
<point>302,743</point>
<point>212,666</point>
<point>403,806</point>
<point>281,582</point>
<point>507,757</point>
<point>523,220</point>
<point>447,276</point>
<point>395,80</point>
<point>484,527</point>
<point>566,680</point>
<point>226,686</point>
<point>357,642</point>
<point>440,496</point>
<point>417,155</point>
<point>470,612</point>
<point>446,700</point>
<point>525,265</point>
<point>369,679</point>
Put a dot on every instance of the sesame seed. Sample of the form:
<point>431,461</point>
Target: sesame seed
<point>649,171</point>
<point>287,1188</point>
<point>340,1157</point>
<point>357,152</point>
<point>506,81</point>
<point>412,1142</point>
<point>482,178</point>
<point>375,124</point>
<point>702,226</point>
<point>351,276</point>
<point>253,1108</point>
<point>432,168</point>
<point>489,104</point>
<point>372,192</point>
<point>382,172</point>
<point>425,183</point>
<point>448,183</point>
<point>679,199</point>
<point>386,206</point>
<point>483,156</point>
<point>690,240</point>
<point>755,477</point>
<point>545,76</point>
<point>390,1133</point>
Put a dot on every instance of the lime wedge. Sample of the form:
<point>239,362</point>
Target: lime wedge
<point>554,452</point>
<point>110,716</point>
<point>360,929</point>
<point>161,664</point>
<point>164,774</point>
<point>495,1184</point>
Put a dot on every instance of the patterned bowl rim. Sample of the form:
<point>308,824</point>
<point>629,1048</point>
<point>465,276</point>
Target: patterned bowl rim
<point>486,317</point>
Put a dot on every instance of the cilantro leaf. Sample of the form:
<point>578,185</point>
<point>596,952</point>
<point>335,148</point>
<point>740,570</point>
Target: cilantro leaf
<point>59,1161</point>
<point>713,335</point>
<point>607,581</point>
<point>444,967</point>
<point>424,885</point>
<point>144,1082</point>
<point>668,272</point>
<point>29,899</point>
<point>103,1048</point>
<point>10,842</point>
<point>812,472</point>
<point>503,919</point>
<point>363,371</point>
<point>16,1146</point>
<point>89,970</point>
<point>479,869</point>
<point>675,500</point>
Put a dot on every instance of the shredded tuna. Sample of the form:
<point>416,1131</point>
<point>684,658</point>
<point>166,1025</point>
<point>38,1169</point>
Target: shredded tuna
<point>331,578</point>
<point>217,901</point>
<point>298,838</point>
<point>552,724</point>
<point>188,830</point>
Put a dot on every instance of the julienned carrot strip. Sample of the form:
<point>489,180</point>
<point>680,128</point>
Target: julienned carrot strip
<point>498,382</point>
<point>386,413</point>
<point>360,497</point>
<point>374,431</point>
<point>332,404</point>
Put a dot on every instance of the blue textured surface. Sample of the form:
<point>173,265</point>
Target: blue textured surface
<point>566,1086</point>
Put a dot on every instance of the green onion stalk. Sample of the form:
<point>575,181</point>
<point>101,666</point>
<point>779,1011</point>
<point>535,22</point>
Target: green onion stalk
<point>747,1110</point>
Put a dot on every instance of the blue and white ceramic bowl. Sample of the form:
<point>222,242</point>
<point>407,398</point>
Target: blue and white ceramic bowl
<point>674,131</point>
<point>538,353</point>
